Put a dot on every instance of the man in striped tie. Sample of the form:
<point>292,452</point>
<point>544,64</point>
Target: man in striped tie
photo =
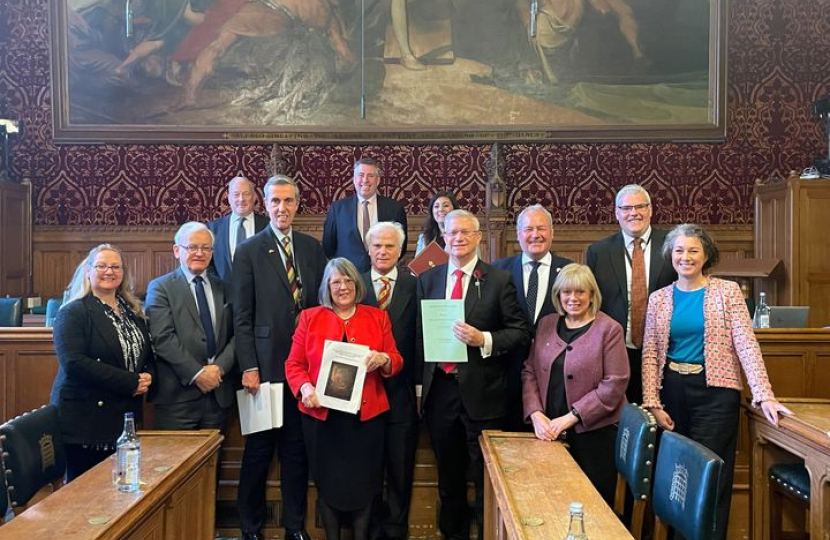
<point>275,275</point>
<point>394,291</point>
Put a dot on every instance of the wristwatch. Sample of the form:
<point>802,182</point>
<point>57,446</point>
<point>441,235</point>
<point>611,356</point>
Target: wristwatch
<point>576,413</point>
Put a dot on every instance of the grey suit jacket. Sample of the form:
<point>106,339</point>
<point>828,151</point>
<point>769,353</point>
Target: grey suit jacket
<point>180,342</point>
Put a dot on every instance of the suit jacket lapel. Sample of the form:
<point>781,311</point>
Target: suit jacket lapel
<point>271,253</point>
<point>400,298</point>
<point>103,325</point>
<point>352,207</point>
<point>474,289</point>
<point>224,238</point>
<point>180,283</point>
<point>518,281</point>
<point>618,263</point>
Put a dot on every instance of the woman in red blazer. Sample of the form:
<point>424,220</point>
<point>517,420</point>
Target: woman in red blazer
<point>573,383</point>
<point>345,451</point>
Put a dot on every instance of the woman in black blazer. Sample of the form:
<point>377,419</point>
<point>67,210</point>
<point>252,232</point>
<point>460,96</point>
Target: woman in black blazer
<point>105,357</point>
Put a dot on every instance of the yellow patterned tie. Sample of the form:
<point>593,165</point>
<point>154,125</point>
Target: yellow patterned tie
<point>292,274</point>
<point>385,294</point>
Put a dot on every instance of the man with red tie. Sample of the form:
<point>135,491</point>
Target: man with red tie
<point>629,266</point>
<point>461,400</point>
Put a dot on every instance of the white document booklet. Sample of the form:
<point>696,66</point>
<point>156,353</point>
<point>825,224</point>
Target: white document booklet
<point>342,372</point>
<point>260,411</point>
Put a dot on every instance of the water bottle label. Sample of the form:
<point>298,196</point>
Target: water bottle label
<point>131,467</point>
<point>763,321</point>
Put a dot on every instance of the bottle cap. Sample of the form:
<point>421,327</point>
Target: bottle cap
<point>128,415</point>
<point>576,507</point>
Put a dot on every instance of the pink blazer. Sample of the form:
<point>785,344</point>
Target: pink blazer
<point>596,371</point>
<point>728,342</point>
<point>369,326</point>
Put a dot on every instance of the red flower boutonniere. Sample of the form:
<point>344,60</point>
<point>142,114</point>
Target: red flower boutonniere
<point>479,277</point>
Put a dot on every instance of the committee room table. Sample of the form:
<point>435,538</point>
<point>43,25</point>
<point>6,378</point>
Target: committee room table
<point>805,438</point>
<point>528,488</point>
<point>177,499</point>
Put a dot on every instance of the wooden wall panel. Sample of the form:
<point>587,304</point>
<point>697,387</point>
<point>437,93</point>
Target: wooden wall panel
<point>149,249</point>
<point>15,239</point>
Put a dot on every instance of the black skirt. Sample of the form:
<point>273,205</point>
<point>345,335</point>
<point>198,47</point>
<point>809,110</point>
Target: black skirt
<point>345,457</point>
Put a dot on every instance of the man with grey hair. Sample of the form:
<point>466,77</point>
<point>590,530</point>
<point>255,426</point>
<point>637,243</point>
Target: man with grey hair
<point>348,220</point>
<point>236,227</point>
<point>192,330</point>
<point>395,292</point>
<point>275,275</point>
<point>463,399</point>
<point>629,266</point>
<point>533,270</point>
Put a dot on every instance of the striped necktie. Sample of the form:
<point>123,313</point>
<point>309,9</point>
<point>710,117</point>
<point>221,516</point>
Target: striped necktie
<point>293,282</point>
<point>385,294</point>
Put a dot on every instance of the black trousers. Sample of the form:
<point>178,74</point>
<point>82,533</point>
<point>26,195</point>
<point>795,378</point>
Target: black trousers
<point>593,451</point>
<point>454,437</point>
<point>80,459</point>
<point>708,415</point>
<point>634,392</point>
<point>392,514</point>
<point>203,413</point>
<point>253,474</point>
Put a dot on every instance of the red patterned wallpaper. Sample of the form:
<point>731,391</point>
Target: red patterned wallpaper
<point>778,63</point>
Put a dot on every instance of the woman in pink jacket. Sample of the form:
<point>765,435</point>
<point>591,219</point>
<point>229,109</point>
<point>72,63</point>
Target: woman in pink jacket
<point>698,335</point>
<point>573,383</point>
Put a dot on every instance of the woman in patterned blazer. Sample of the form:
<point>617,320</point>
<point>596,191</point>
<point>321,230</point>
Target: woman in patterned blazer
<point>698,336</point>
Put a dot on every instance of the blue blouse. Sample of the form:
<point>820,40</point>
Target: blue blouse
<point>686,330</point>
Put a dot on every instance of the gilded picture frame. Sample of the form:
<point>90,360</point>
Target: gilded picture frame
<point>388,71</point>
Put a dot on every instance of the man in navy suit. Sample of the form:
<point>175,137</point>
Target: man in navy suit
<point>395,291</point>
<point>192,329</point>
<point>349,219</point>
<point>611,260</point>
<point>231,230</point>
<point>461,400</point>
<point>266,305</point>
<point>534,270</point>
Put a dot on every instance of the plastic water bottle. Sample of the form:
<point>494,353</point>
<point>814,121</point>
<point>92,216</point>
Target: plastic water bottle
<point>576,529</point>
<point>128,457</point>
<point>761,318</point>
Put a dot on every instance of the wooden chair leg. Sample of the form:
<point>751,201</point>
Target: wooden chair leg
<point>661,531</point>
<point>776,522</point>
<point>619,495</point>
<point>638,513</point>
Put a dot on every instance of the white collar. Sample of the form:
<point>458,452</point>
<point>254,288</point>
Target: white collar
<point>547,260</point>
<point>391,276</point>
<point>646,237</point>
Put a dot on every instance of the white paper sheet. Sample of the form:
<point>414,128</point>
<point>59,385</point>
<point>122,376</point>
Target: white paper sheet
<point>342,373</point>
<point>260,411</point>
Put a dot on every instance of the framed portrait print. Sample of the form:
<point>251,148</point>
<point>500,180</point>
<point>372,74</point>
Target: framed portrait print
<point>397,71</point>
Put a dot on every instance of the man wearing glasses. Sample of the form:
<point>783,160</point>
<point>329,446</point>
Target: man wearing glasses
<point>629,266</point>
<point>236,227</point>
<point>348,220</point>
<point>192,331</point>
<point>461,400</point>
<point>276,274</point>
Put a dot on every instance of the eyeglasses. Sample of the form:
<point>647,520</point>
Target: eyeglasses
<point>102,268</point>
<point>627,209</point>
<point>196,249</point>
<point>341,284</point>
<point>242,195</point>
<point>461,233</point>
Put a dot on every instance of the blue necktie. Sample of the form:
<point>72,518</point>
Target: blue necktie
<point>241,234</point>
<point>204,315</point>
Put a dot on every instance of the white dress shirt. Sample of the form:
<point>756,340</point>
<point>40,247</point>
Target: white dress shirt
<point>377,282</point>
<point>234,229</point>
<point>544,279</point>
<point>487,348</point>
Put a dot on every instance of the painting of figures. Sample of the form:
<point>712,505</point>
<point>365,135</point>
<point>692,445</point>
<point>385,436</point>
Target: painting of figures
<point>388,70</point>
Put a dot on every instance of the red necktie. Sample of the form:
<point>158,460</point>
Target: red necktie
<point>639,294</point>
<point>457,294</point>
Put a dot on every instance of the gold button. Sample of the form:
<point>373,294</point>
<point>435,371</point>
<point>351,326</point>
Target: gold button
<point>100,403</point>
<point>347,323</point>
<point>351,340</point>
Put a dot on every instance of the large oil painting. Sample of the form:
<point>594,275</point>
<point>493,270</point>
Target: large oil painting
<point>388,70</point>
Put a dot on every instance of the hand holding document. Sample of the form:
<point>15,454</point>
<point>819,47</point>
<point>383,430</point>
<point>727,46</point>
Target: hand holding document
<point>440,344</point>
<point>261,411</point>
<point>342,373</point>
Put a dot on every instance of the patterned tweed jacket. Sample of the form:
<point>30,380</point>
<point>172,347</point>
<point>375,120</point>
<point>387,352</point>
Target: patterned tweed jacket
<point>728,342</point>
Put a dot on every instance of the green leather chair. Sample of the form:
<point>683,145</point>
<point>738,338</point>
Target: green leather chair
<point>11,312</point>
<point>33,454</point>
<point>634,458</point>
<point>788,481</point>
<point>685,495</point>
<point>52,307</point>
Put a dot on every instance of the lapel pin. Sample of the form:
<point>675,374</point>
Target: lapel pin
<point>270,251</point>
